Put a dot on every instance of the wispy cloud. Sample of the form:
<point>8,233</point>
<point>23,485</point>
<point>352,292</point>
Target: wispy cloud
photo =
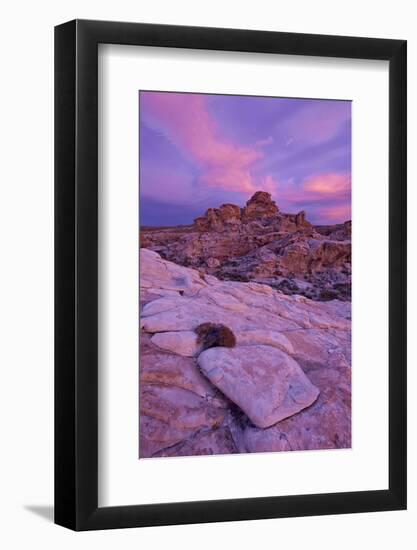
<point>325,197</point>
<point>335,214</point>
<point>318,121</point>
<point>186,122</point>
<point>264,142</point>
<point>201,150</point>
<point>328,184</point>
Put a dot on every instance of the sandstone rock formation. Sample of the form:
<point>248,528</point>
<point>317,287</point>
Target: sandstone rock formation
<point>259,206</point>
<point>267,384</point>
<point>285,386</point>
<point>259,243</point>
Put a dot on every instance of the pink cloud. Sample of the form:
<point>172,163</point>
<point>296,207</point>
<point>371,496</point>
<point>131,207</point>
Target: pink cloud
<point>326,197</point>
<point>328,184</point>
<point>332,186</point>
<point>338,213</point>
<point>186,122</point>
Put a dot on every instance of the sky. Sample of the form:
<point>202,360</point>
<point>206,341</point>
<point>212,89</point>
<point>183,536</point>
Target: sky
<point>199,151</point>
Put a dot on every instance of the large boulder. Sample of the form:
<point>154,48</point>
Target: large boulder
<point>266,383</point>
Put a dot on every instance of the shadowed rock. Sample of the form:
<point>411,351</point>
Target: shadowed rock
<point>211,335</point>
<point>260,243</point>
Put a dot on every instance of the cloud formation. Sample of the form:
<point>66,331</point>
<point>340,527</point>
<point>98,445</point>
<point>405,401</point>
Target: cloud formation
<point>325,197</point>
<point>200,150</point>
<point>318,121</point>
<point>333,184</point>
<point>186,122</point>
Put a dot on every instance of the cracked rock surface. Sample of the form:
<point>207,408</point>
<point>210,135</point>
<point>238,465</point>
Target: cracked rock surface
<point>285,386</point>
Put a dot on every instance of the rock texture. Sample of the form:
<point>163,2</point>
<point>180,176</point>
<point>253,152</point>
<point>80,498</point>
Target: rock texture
<point>260,243</point>
<point>284,386</point>
<point>267,384</point>
<point>183,343</point>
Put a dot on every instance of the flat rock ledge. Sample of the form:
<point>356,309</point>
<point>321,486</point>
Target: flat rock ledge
<point>183,342</point>
<point>263,381</point>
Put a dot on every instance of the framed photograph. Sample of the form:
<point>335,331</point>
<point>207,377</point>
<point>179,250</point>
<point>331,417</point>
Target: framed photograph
<point>230,252</point>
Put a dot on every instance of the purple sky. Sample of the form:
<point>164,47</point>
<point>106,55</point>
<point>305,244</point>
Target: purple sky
<point>199,151</point>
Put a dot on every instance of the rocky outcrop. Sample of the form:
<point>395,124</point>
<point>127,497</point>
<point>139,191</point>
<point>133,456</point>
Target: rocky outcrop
<point>338,232</point>
<point>219,219</point>
<point>260,243</point>
<point>259,207</point>
<point>285,385</point>
<point>298,264</point>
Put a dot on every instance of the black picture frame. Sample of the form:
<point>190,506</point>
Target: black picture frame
<point>76,272</point>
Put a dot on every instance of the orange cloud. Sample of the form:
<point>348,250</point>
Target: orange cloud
<point>329,184</point>
<point>337,213</point>
<point>325,197</point>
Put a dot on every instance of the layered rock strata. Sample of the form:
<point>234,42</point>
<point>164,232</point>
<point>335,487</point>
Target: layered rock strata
<point>284,386</point>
